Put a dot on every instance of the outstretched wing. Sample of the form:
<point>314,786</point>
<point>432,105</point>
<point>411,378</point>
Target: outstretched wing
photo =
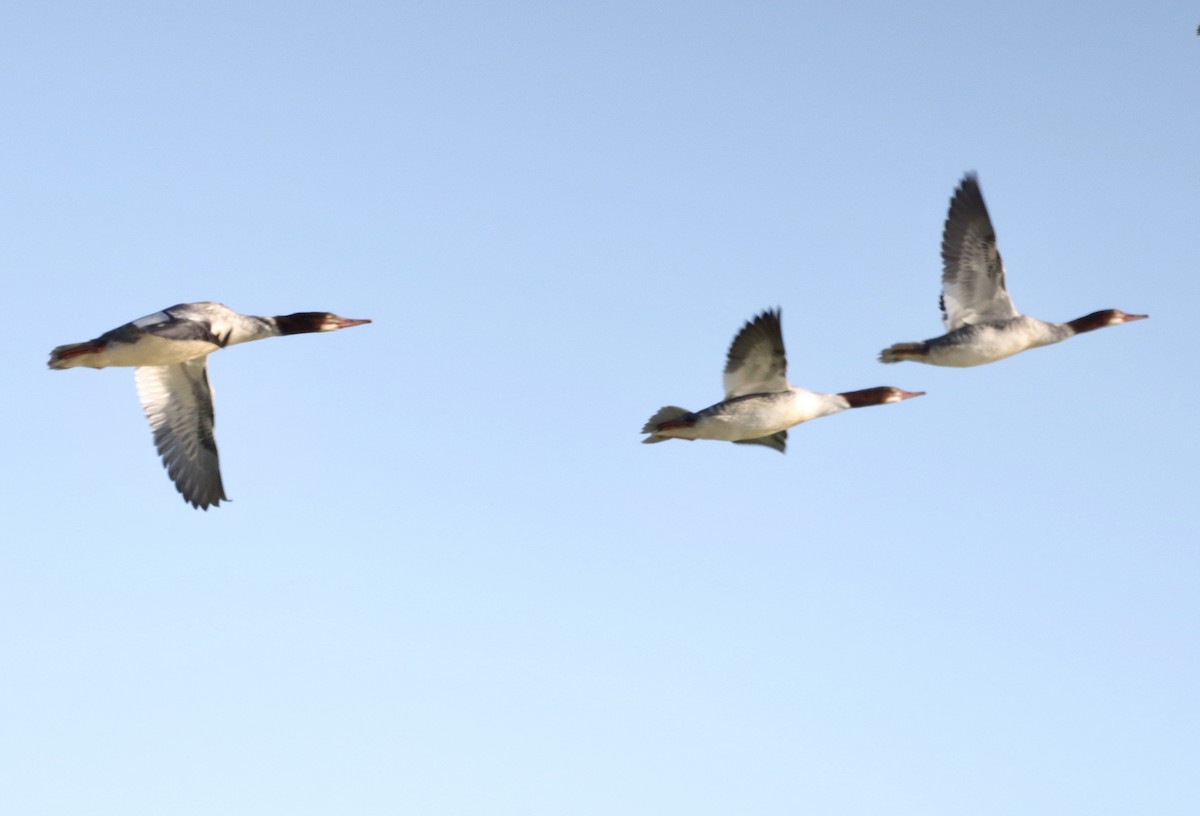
<point>973,289</point>
<point>178,402</point>
<point>757,363</point>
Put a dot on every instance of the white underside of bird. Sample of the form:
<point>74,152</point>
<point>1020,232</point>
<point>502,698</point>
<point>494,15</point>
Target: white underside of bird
<point>169,352</point>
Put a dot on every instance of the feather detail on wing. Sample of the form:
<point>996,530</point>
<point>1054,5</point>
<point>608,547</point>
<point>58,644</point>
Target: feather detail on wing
<point>757,363</point>
<point>178,402</point>
<point>973,288</point>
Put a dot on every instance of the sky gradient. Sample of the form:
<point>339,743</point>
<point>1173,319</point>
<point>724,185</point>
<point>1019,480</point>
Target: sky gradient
<point>451,580</point>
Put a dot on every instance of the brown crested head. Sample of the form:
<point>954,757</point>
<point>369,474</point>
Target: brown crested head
<point>302,322</point>
<point>878,396</point>
<point>1102,318</point>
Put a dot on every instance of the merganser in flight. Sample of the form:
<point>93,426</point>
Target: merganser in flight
<point>759,404</point>
<point>983,325</point>
<point>170,352</point>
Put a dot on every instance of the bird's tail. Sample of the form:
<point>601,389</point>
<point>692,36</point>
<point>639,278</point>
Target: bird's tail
<point>69,355</point>
<point>667,418</point>
<point>904,351</point>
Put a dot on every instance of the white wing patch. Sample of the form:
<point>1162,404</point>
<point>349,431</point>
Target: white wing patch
<point>151,320</point>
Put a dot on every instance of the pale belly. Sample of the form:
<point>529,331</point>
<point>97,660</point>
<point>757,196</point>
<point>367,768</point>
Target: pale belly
<point>760,415</point>
<point>731,429</point>
<point>149,351</point>
<point>977,345</point>
<point>966,356</point>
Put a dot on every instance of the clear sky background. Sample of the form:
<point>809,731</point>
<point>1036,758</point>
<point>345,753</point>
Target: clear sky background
<point>451,580</point>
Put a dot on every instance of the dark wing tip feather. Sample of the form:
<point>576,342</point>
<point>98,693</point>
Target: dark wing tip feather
<point>967,222</point>
<point>195,474</point>
<point>764,327</point>
<point>966,208</point>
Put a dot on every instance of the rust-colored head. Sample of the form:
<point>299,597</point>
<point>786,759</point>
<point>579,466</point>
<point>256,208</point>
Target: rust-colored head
<point>878,396</point>
<point>1102,318</point>
<point>302,322</point>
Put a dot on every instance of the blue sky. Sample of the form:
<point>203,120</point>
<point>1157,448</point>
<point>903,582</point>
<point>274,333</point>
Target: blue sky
<point>451,581</point>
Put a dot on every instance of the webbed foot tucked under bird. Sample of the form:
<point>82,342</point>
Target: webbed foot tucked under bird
<point>169,350</point>
<point>982,324</point>
<point>759,404</point>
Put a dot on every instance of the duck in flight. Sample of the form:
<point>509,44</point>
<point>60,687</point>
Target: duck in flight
<point>982,324</point>
<point>759,404</point>
<point>169,352</point>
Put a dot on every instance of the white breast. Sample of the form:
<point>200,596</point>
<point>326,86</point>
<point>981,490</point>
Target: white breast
<point>766,414</point>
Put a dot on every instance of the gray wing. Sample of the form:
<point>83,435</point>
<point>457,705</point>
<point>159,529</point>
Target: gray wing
<point>973,289</point>
<point>178,403</point>
<point>776,441</point>
<point>757,363</point>
<point>184,321</point>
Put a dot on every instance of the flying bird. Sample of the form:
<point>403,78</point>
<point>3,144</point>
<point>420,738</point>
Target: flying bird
<point>169,352</point>
<point>759,404</point>
<point>983,325</point>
